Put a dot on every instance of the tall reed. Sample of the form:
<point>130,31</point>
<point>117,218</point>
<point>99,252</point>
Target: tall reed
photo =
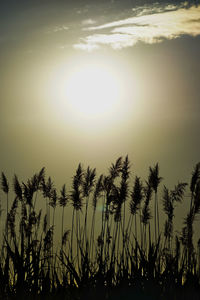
<point>110,251</point>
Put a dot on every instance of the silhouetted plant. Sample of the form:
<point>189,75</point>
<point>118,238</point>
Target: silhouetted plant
<point>114,257</point>
<point>88,184</point>
<point>77,203</point>
<point>146,213</point>
<point>154,181</point>
<point>169,198</point>
<point>136,198</point>
<point>97,194</point>
<point>63,202</point>
<point>5,189</point>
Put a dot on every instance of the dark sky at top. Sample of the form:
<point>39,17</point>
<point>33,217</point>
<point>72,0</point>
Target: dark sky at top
<point>18,19</point>
<point>11,8</point>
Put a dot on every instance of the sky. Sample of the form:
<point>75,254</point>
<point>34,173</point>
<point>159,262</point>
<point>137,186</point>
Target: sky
<point>150,53</point>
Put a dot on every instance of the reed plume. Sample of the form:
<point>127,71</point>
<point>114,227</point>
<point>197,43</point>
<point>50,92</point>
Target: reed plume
<point>115,260</point>
<point>154,181</point>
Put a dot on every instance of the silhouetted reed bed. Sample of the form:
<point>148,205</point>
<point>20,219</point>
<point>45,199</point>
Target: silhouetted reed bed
<point>116,246</point>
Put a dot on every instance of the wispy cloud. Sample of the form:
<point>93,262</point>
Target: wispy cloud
<point>60,28</point>
<point>57,29</point>
<point>88,22</point>
<point>87,47</point>
<point>148,26</point>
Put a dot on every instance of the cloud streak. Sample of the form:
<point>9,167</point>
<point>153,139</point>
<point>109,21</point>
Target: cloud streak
<point>151,27</point>
<point>88,22</point>
<point>57,29</point>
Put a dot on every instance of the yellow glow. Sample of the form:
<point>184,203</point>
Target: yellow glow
<point>93,88</point>
<point>93,91</point>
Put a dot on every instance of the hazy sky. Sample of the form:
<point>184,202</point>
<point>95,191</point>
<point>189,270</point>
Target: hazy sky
<point>153,51</point>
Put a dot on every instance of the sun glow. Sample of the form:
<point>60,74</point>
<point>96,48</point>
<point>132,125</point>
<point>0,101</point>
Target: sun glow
<point>93,91</point>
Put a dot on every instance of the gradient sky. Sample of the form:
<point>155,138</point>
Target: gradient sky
<point>153,48</point>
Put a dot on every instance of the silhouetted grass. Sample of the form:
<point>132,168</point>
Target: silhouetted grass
<point>120,252</point>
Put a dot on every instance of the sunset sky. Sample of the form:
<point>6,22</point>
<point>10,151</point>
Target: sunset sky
<point>89,81</point>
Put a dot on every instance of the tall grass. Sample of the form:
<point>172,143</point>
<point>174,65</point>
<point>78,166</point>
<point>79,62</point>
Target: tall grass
<point>115,246</point>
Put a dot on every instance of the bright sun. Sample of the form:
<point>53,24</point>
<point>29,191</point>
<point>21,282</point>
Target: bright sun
<point>93,91</point>
<point>96,89</point>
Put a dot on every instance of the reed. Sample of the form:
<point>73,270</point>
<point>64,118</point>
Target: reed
<point>101,255</point>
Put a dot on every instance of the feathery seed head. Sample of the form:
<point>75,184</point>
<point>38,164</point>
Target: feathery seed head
<point>136,196</point>
<point>195,177</point>
<point>115,168</point>
<point>154,179</point>
<point>88,181</point>
<point>4,183</point>
<point>17,188</point>
<point>97,191</point>
<point>53,200</point>
<point>63,196</point>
